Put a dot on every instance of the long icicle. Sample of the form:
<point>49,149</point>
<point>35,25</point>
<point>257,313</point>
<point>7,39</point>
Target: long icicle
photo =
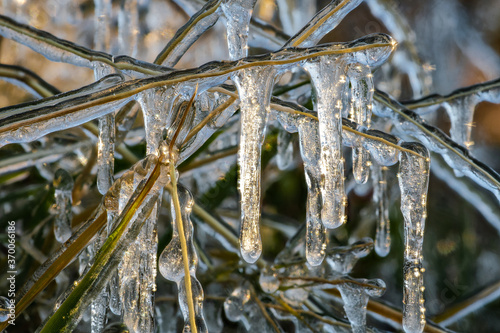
<point>413,183</point>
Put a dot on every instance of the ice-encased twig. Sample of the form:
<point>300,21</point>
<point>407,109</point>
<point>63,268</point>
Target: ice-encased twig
<point>322,23</point>
<point>408,123</point>
<point>60,50</point>
<point>413,183</point>
<point>154,176</point>
<point>189,33</point>
<point>361,95</point>
<point>255,90</point>
<point>368,50</point>
<point>28,80</point>
<point>172,263</point>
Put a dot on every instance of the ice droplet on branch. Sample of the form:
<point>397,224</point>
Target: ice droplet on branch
<point>413,183</point>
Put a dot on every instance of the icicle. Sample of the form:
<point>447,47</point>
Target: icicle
<point>132,290</point>
<point>285,150</point>
<point>102,27</point>
<point>255,89</point>
<point>4,309</point>
<point>329,104</point>
<point>355,297</point>
<point>413,182</point>
<point>105,153</point>
<point>361,94</point>
<point>382,234</point>
<point>310,151</point>
<point>63,183</point>
<point>461,113</point>
<point>238,14</point>
<point>128,27</point>
<point>98,312</point>
<point>171,261</point>
<point>343,258</point>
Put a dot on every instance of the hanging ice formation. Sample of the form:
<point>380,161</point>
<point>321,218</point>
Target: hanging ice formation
<point>63,184</point>
<point>171,263</point>
<point>361,96</point>
<point>380,198</point>
<point>413,182</point>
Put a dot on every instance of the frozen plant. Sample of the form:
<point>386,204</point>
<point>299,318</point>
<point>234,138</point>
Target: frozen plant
<point>172,165</point>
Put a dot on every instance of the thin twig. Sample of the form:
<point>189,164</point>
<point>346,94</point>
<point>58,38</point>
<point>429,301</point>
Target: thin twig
<point>185,257</point>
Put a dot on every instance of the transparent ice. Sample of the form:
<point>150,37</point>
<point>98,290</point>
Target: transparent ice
<point>413,183</point>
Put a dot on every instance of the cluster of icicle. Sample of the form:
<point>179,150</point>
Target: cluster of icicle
<point>344,89</point>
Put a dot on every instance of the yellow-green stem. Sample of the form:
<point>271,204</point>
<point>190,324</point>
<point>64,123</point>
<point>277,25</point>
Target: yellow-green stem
<point>182,237</point>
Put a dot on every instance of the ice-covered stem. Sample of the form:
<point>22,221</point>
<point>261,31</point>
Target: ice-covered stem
<point>322,23</point>
<point>238,14</point>
<point>102,17</point>
<point>255,90</point>
<point>381,200</point>
<point>360,111</point>
<point>178,261</point>
<point>408,123</point>
<point>413,183</point>
<point>328,77</point>
<point>63,184</point>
